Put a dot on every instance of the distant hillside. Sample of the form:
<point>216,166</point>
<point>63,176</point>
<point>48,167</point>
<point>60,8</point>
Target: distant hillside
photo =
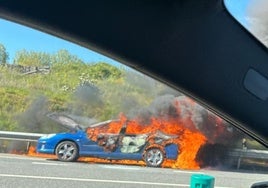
<point>99,91</point>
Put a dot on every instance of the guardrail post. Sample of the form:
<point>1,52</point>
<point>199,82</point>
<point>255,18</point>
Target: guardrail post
<point>28,146</point>
<point>238,163</point>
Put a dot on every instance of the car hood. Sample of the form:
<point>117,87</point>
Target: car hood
<point>65,121</point>
<point>70,122</point>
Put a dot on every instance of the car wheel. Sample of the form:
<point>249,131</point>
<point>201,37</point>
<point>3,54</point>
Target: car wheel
<point>154,157</point>
<point>67,151</point>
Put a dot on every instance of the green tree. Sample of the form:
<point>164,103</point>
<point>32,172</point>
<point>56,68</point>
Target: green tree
<point>101,71</point>
<point>31,58</point>
<point>3,55</point>
<point>64,57</point>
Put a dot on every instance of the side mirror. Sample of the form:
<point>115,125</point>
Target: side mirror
<point>260,185</point>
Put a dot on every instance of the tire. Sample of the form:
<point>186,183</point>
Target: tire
<point>154,157</point>
<point>67,151</point>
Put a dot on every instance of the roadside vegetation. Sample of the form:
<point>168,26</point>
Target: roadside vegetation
<point>95,90</point>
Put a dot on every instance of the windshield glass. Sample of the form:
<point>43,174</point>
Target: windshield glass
<point>253,15</point>
<point>130,122</point>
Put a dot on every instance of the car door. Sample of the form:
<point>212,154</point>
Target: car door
<point>89,147</point>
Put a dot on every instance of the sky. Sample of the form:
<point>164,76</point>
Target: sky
<point>252,14</point>
<point>16,37</point>
<point>238,8</point>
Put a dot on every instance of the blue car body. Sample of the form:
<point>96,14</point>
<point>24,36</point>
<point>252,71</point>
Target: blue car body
<point>48,144</point>
<point>87,147</point>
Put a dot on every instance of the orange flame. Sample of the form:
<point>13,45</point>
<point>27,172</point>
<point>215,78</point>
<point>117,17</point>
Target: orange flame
<point>189,136</point>
<point>188,141</point>
<point>99,160</point>
<point>32,152</point>
<point>19,152</point>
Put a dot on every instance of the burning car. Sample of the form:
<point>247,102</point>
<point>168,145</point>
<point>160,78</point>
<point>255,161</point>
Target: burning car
<point>109,140</point>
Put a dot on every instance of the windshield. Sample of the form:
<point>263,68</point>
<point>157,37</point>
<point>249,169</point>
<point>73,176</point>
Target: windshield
<point>130,123</point>
<point>253,15</point>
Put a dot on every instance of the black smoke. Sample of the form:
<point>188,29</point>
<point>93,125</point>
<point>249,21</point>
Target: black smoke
<point>220,135</point>
<point>187,112</point>
<point>86,99</point>
<point>214,155</point>
<point>162,107</point>
<point>33,119</point>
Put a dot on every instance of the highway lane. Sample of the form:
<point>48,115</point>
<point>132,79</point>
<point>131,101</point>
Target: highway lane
<point>22,171</point>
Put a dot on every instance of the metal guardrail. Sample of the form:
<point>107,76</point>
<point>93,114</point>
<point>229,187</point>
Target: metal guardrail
<point>249,153</point>
<point>20,136</point>
<point>235,153</point>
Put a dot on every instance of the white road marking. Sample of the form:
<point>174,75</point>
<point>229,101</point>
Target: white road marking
<point>98,180</point>
<point>52,164</point>
<point>8,156</point>
<point>120,167</point>
<point>94,180</point>
<point>188,172</point>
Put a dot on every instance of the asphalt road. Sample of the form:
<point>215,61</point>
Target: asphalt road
<point>26,172</point>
